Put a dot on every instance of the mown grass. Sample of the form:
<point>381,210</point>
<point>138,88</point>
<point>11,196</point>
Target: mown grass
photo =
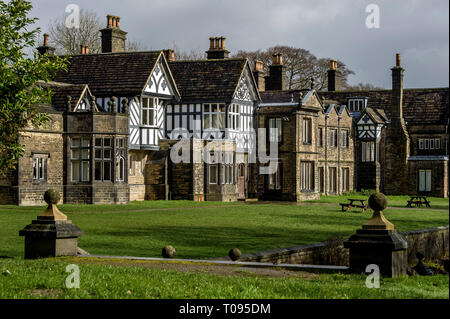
<point>207,229</point>
<point>46,278</point>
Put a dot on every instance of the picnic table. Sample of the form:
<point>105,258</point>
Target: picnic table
<point>360,203</point>
<point>418,201</point>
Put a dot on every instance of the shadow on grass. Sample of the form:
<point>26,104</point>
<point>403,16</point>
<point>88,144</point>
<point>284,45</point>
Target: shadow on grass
<point>198,242</point>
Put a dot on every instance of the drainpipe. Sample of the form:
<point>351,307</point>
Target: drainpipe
<point>325,182</point>
<point>384,160</point>
<point>256,148</point>
<point>355,155</point>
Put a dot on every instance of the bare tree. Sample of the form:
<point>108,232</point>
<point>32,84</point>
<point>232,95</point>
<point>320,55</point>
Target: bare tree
<point>301,66</point>
<point>362,87</point>
<point>68,40</point>
<point>194,54</point>
<point>135,46</point>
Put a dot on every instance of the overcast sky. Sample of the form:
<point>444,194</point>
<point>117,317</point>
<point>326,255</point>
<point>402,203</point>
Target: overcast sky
<point>418,29</point>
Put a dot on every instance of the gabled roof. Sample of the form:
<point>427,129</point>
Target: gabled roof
<point>215,79</point>
<point>122,74</point>
<point>375,115</point>
<point>420,106</point>
<point>60,93</point>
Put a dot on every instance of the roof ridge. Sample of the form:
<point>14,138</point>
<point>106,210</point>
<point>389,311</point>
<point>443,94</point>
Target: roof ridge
<point>208,60</point>
<point>113,53</point>
<point>384,90</point>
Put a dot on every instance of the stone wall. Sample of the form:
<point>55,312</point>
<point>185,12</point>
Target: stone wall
<point>433,243</point>
<point>439,169</point>
<point>136,178</point>
<point>44,141</point>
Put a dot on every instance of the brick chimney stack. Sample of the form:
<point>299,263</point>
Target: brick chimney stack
<point>258,74</point>
<point>113,38</point>
<point>397,138</point>
<point>276,80</point>
<point>333,77</point>
<point>217,49</point>
<point>170,55</point>
<point>46,48</point>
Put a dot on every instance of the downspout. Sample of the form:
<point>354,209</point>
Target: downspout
<point>166,177</point>
<point>384,159</point>
<point>355,155</point>
<point>256,149</point>
<point>325,182</point>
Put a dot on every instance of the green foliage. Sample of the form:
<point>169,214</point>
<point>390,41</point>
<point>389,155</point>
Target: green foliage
<point>367,192</point>
<point>20,74</point>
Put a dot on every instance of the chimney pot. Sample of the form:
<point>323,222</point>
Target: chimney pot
<point>118,22</point>
<point>86,49</point>
<point>46,39</point>
<point>211,43</point>
<point>277,59</point>
<point>258,66</point>
<point>333,65</point>
<point>222,43</point>
<point>114,21</point>
<point>398,60</point>
<point>81,49</point>
<point>169,54</point>
<point>216,43</point>
<point>109,20</point>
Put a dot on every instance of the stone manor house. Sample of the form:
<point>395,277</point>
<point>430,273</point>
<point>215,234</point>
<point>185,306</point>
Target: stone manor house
<point>117,117</point>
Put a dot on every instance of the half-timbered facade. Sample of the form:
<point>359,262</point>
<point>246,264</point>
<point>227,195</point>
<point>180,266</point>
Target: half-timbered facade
<point>218,101</point>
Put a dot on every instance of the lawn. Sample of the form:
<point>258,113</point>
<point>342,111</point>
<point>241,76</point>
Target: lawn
<point>210,229</point>
<point>46,278</point>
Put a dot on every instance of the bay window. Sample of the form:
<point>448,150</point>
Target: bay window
<point>213,116</point>
<point>149,109</point>
<point>80,159</point>
<point>307,129</point>
<point>368,151</point>
<point>103,158</point>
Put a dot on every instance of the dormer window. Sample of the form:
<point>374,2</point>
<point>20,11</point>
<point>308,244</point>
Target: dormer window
<point>357,104</point>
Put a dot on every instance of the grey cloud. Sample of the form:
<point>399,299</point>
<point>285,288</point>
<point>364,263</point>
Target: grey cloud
<point>416,29</point>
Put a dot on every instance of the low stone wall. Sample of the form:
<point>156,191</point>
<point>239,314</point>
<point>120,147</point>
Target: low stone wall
<point>432,242</point>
